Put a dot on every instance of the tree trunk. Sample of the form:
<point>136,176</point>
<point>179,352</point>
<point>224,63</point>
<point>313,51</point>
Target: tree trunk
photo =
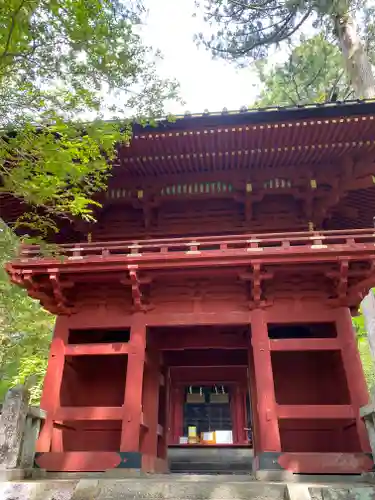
<point>356,60</point>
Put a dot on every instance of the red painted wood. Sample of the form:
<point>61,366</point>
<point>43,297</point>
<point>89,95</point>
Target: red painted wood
<point>238,415</point>
<point>208,375</point>
<point>268,431</point>
<point>89,413</point>
<point>180,343</point>
<point>178,413</point>
<point>57,444</point>
<point>51,390</point>
<point>253,404</point>
<point>151,387</point>
<point>95,349</point>
<point>305,345</point>
<point>206,358</point>
<point>298,312</point>
<point>164,419</point>
<point>131,425</point>
<point>277,255</point>
<point>354,372</point>
<point>171,413</point>
<point>315,411</point>
<point>326,463</point>
<point>78,461</point>
<point>214,280</point>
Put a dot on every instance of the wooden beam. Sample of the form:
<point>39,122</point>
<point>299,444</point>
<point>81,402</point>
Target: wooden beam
<point>203,341</point>
<point>209,376</point>
<point>65,413</point>
<point>206,358</point>
<point>315,411</point>
<point>305,345</point>
<point>96,349</point>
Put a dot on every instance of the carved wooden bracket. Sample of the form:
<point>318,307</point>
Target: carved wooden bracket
<point>136,281</point>
<point>351,295</point>
<point>256,277</point>
<point>35,291</point>
<point>58,288</point>
<point>136,287</point>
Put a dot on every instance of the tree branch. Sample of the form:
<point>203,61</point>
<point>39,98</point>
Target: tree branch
<point>12,26</point>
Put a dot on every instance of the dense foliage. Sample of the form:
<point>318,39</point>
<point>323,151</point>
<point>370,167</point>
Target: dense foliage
<point>64,66</point>
<point>364,351</point>
<point>62,63</point>
<point>245,31</point>
<point>25,328</point>
<point>312,73</point>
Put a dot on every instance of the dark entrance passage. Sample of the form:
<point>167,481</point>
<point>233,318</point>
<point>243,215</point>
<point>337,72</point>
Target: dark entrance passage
<point>207,409</point>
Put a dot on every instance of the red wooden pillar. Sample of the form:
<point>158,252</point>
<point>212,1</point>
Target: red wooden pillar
<point>165,423</point>
<point>50,401</point>
<point>268,434</point>
<point>359,395</point>
<point>151,388</point>
<point>176,413</point>
<point>253,404</point>
<point>243,416</point>
<point>131,424</point>
<point>238,415</point>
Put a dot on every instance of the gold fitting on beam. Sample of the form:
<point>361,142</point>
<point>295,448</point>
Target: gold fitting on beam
<point>249,187</point>
<point>318,247</point>
<point>373,179</point>
<point>140,194</point>
<point>313,184</point>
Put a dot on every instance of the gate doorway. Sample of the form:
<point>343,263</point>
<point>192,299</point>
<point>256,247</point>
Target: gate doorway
<point>209,410</point>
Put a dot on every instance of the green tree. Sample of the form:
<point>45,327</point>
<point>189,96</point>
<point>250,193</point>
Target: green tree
<point>364,351</point>
<point>63,64</point>
<point>25,328</point>
<point>246,30</point>
<point>312,73</point>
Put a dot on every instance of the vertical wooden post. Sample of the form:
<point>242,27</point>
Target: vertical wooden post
<point>151,390</point>
<point>238,415</point>
<point>177,413</point>
<point>268,438</point>
<point>131,424</point>
<point>165,423</point>
<point>234,413</point>
<point>52,383</point>
<point>243,419</point>
<point>355,378</point>
<point>254,417</point>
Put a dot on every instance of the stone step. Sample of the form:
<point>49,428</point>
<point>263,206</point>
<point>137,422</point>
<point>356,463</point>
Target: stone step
<point>206,467</point>
<point>181,487</point>
<point>210,459</point>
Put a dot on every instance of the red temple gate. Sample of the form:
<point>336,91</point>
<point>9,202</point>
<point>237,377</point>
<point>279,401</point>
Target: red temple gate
<point>230,251</point>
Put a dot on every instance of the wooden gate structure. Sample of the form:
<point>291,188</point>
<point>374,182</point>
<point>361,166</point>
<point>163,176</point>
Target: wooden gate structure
<point>230,249</point>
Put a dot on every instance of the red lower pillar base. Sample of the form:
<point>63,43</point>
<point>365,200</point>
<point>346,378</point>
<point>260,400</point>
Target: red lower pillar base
<point>274,463</point>
<point>100,461</point>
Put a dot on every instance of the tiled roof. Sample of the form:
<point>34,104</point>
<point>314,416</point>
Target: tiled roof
<point>267,114</point>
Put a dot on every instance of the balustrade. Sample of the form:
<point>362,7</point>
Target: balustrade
<point>342,240</point>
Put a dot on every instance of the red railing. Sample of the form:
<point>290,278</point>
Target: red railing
<point>344,239</point>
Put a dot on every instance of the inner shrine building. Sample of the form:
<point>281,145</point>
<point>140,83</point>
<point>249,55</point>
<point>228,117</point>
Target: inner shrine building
<point>210,304</point>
